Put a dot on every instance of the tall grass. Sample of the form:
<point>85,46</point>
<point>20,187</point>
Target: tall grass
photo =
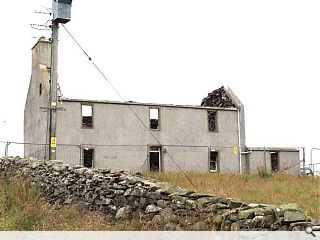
<point>22,207</point>
<point>261,188</point>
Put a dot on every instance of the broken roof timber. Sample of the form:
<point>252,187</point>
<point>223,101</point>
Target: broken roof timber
<point>145,104</point>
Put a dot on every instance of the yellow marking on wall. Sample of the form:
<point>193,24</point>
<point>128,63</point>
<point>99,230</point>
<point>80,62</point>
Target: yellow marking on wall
<point>235,150</point>
<point>53,142</point>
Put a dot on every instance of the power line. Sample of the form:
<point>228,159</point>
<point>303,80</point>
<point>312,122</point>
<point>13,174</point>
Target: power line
<point>122,98</point>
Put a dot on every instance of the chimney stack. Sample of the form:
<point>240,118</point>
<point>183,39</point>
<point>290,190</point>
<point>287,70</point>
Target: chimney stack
<point>41,52</point>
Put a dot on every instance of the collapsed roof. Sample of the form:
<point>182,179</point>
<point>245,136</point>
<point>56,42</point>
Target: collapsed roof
<point>220,97</point>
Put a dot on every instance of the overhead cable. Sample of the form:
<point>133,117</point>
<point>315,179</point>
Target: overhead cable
<point>122,98</point>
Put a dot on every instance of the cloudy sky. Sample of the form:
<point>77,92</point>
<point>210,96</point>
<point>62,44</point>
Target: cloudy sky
<point>177,51</point>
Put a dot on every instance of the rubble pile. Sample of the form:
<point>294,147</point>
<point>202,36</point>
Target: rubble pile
<point>122,196</point>
<point>218,98</point>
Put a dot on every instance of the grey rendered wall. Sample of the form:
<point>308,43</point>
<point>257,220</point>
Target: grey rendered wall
<point>72,153</point>
<point>129,158</point>
<point>35,120</point>
<point>188,159</point>
<point>243,127</point>
<point>259,160</point>
<point>241,117</point>
<point>115,124</point>
<point>288,159</point>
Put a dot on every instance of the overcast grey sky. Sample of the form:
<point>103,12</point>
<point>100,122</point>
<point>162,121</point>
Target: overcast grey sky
<point>177,52</point>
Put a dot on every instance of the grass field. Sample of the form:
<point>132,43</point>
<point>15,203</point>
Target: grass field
<point>264,188</point>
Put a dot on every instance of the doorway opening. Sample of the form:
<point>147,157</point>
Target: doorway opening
<point>274,161</point>
<point>155,158</point>
<point>213,162</point>
<point>88,157</point>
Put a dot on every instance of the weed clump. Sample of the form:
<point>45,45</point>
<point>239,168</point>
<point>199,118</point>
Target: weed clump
<point>264,174</point>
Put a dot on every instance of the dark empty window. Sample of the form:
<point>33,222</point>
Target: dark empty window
<point>40,89</point>
<point>274,161</point>
<point>87,116</point>
<point>154,118</point>
<point>88,157</point>
<point>154,158</point>
<point>213,162</point>
<point>212,120</point>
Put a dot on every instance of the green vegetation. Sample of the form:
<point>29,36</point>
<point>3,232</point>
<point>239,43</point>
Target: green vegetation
<point>261,188</point>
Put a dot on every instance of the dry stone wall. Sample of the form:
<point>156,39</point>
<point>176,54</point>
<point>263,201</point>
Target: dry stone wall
<point>123,196</point>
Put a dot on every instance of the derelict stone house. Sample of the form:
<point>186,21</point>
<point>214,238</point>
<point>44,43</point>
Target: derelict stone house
<point>106,134</point>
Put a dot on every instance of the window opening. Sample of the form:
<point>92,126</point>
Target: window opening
<point>88,157</point>
<point>87,116</point>
<point>40,89</point>
<point>154,158</point>
<point>213,161</point>
<point>212,120</point>
<point>154,118</point>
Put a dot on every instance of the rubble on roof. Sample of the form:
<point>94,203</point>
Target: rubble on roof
<point>218,98</point>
